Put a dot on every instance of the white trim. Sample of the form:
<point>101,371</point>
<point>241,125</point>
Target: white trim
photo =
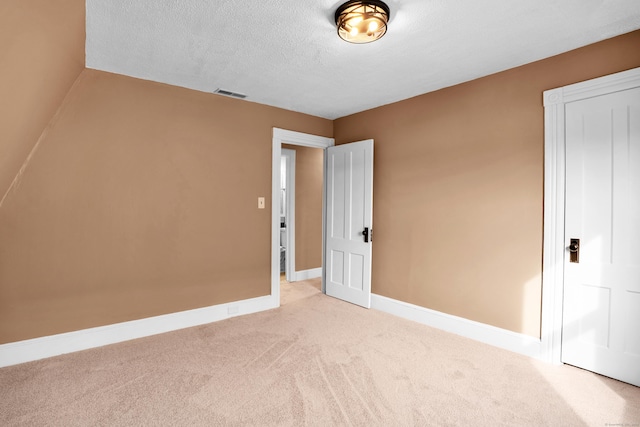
<point>554,197</point>
<point>553,219</point>
<point>54,345</point>
<point>302,139</point>
<point>282,136</point>
<point>617,82</point>
<point>508,340</point>
<point>323,273</point>
<point>308,274</point>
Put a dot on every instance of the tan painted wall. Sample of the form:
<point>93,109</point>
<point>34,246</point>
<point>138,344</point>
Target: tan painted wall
<point>309,176</point>
<point>41,55</point>
<point>458,187</point>
<point>141,200</point>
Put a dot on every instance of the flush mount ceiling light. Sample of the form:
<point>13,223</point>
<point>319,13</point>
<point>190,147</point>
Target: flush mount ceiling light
<point>362,21</point>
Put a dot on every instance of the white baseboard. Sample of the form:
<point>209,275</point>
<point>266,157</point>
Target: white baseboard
<point>54,345</point>
<point>308,274</point>
<point>508,340</point>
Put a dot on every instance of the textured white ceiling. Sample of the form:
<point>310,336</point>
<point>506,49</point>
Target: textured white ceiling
<point>286,53</point>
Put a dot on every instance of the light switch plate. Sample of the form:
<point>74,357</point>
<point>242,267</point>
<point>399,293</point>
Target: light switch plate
<point>260,202</point>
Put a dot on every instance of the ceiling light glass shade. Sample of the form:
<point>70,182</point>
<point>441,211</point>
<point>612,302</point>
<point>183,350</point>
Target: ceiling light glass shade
<point>362,21</point>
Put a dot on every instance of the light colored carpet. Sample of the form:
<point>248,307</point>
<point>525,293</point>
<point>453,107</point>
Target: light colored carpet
<point>315,361</point>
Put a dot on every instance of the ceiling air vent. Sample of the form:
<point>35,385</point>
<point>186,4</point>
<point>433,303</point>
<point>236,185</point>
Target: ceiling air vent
<point>229,93</point>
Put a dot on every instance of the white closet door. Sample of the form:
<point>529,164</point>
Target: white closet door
<point>601,312</point>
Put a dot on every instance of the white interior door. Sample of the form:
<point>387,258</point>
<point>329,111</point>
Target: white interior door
<point>601,309</point>
<point>349,220</point>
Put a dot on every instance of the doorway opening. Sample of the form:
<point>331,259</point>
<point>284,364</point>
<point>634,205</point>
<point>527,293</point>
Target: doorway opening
<point>280,137</point>
<point>287,213</point>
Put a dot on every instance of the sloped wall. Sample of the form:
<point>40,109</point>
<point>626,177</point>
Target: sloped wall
<point>41,55</point>
<point>141,200</point>
<point>458,187</point>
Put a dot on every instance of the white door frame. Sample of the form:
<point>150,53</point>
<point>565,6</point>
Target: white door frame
<point>554,198</point>
<point>290,214</point>
<point>283,136</point>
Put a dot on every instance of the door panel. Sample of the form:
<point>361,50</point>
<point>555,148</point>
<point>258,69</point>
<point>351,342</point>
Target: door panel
<point>601,324</point>
<point>349,211</point>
